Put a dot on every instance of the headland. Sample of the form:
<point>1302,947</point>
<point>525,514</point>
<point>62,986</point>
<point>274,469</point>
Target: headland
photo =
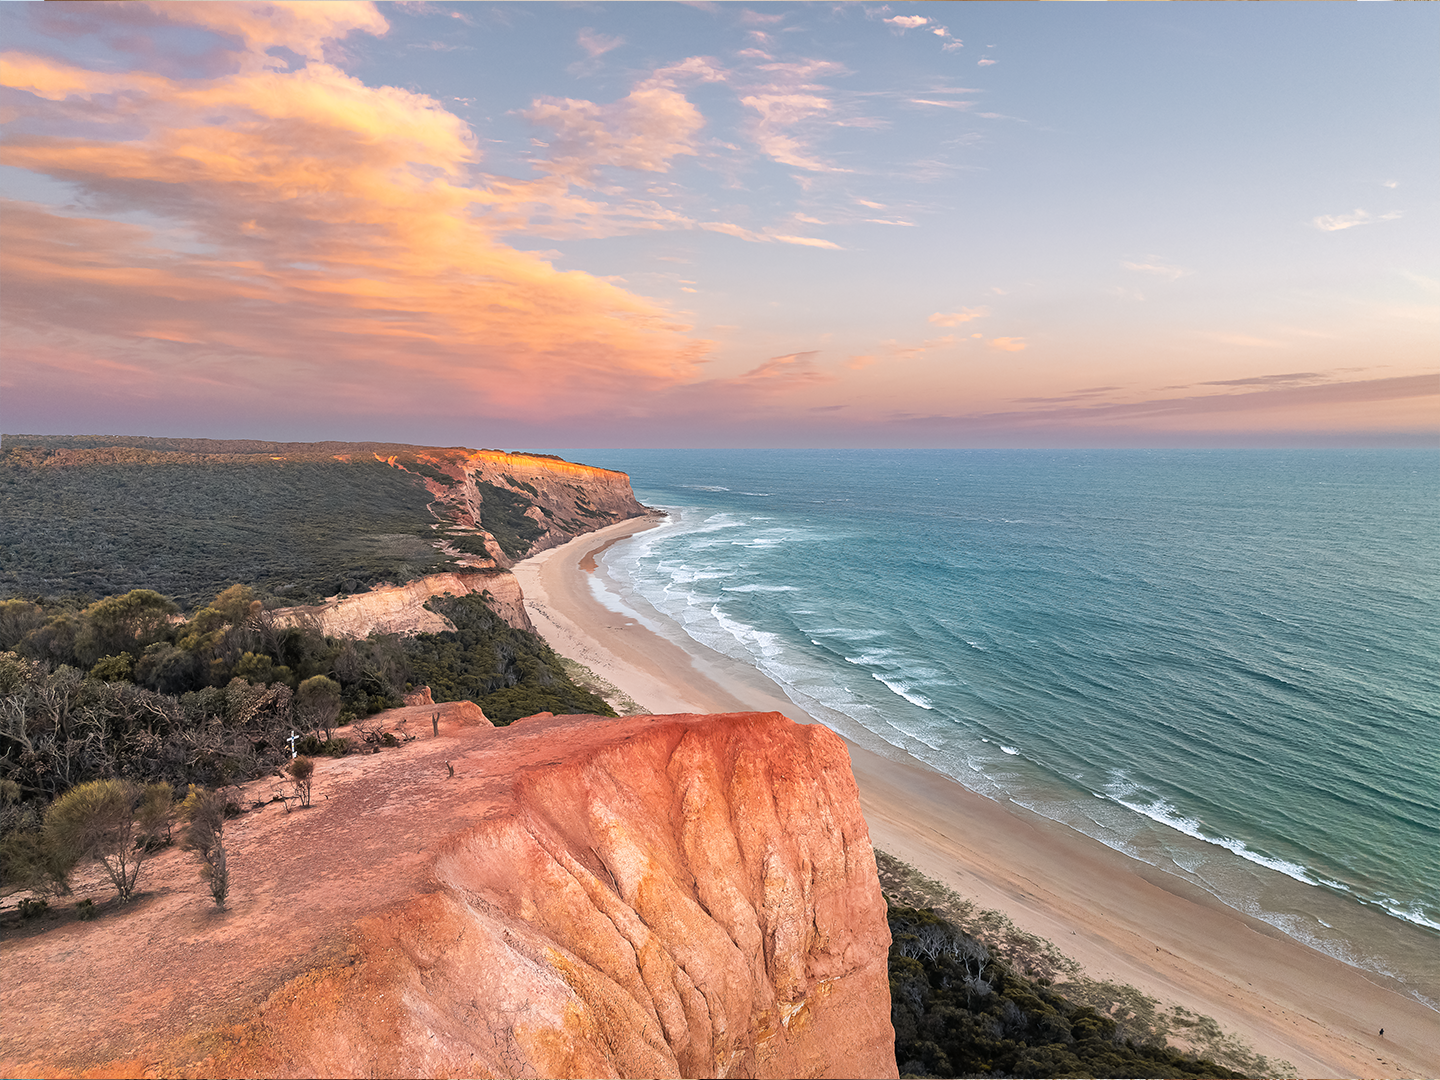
<point>1122,920</point>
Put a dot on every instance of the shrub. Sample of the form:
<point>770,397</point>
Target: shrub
<point>318,703</point>
<point>204,814</point>
<point>301,769</point>
<point>97,819</point>
<point>29,861</point>
<point>30,908</point>
<point>86,910</point>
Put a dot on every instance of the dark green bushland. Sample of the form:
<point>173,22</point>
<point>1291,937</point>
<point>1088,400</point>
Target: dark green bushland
<point>958,1010</point>
<point>507,672</point>
<point>298,530</point>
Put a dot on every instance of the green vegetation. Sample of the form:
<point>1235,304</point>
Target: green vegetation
<point>972,995</point>
<point>109,820</point>
<point>204,815</point>
<point>507,672</point>
<point>302,770</point>
<point>296,530</point>
<point>502,515</point>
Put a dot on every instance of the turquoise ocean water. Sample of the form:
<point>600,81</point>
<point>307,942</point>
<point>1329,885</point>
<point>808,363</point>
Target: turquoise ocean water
<point>1224,663</point>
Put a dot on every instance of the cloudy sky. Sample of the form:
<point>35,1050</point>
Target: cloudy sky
<point>728,224</point>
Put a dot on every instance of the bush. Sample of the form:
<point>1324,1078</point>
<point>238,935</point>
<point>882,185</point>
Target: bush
<point>86,910</point>
<point>97,819</point>
<point>301,769</point>
<point>204,814</point>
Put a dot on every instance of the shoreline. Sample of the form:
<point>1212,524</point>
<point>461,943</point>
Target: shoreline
<point>1121,919</point>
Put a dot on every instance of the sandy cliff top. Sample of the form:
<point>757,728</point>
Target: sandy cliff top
<point>679,895</point>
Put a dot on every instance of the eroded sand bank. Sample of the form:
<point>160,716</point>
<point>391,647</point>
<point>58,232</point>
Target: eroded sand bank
<point>1119,918</point>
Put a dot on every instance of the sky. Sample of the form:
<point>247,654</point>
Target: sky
<point>723,224</point>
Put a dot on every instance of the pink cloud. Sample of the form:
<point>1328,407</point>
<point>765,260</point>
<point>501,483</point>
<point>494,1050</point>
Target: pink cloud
<point>342,254</point>
<point>644,131</point>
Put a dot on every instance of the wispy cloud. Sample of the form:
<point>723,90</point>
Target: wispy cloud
<point>1314,404</point>
<point>1292,378</point>
<point>644,131</point>
<point>915,22</point>
<point>1337,222</point>
<point>742,233</point>
<point>1008,344</point>
<point>959,318</point>
<point>597,44</point>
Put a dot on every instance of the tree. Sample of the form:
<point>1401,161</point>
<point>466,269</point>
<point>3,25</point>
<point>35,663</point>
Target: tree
<point>98,820</point>
<point>125,623</point>
<point>301,769</point>
<point>318,703</point>
<point>204,815</point>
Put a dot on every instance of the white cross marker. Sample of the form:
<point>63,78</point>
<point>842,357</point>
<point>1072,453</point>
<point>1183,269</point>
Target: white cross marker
<point>292,741</point>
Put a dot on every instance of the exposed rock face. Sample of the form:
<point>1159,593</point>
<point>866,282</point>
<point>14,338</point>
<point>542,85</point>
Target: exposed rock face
<point>400,609</point>
<point>565,499</point>
<point>648,896</point>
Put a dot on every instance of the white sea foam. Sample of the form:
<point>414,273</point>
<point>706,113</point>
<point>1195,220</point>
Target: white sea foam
<point>760,588</point>
<point>1164,813</point>
<point>907,692</point>
<point>1411,913</point>
<point>1012,751</point>
<point>874,656</point>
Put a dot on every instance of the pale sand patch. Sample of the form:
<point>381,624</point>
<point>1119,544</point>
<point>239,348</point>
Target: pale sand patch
<point>1118,917</point>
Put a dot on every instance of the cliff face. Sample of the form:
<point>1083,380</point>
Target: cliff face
<point>648,896</point>
<point>400,609</point>
<point>496,508</point>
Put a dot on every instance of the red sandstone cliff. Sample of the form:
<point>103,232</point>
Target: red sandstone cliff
<point>648,896</point>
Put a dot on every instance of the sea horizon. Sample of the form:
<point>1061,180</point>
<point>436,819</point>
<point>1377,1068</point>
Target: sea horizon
<point>1212,661</point>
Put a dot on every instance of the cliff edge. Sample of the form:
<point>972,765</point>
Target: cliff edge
<point>647,896</point>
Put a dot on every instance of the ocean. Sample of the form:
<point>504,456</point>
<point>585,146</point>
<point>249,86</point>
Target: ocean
<point>1225,664</point>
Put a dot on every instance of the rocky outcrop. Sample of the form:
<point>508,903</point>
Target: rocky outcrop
<point>479,495</point>
<point>400,609</point>
<point>647,896</point>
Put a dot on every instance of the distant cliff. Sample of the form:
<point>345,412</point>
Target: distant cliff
<point>648,896</point>
<point>91,516</point>
<point>516,504</point>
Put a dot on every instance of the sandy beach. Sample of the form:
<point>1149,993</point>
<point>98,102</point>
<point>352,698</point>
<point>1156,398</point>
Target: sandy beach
<point>1119,918</point>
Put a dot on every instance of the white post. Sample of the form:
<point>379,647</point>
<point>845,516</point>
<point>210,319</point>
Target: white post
<point>292,741</point>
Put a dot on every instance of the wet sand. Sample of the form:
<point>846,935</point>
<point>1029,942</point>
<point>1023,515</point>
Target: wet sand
<point>1120,918</point>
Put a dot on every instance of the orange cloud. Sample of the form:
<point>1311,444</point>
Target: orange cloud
<point>325,229</point>
<point>958,318</point>
<point>1008,344</point>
